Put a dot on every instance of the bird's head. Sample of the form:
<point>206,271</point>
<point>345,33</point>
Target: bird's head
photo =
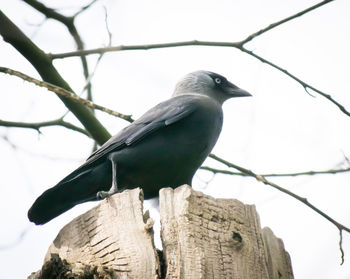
<point>209,84</point>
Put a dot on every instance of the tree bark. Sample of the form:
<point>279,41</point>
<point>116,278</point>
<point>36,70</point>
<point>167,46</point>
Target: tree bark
<point>202,237</point>
<point>112,240</point>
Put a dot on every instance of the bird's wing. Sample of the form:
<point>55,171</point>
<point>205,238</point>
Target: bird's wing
<point>164,114</point>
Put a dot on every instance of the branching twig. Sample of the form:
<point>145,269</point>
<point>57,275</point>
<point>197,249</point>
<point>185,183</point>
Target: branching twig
<point>65,93</point>
<point>69,23</point>
<point>37,125</point>
<point>48,12</point>
<point>188,43</point>
<point>331,171</point>
<point>237,45</point>
<point>43,65</point>
<point>262,179</point>
<point>305,85</point>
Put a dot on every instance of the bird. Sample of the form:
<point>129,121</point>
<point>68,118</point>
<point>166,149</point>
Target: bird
<point>163,148</point>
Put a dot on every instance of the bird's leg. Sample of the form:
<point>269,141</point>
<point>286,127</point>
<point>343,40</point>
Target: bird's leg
<point>114,188</point>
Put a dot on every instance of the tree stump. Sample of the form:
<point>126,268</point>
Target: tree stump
<point>202,237</point>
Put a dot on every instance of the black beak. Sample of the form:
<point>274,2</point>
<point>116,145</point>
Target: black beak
<point>235,91</point>
<point>238,92</point>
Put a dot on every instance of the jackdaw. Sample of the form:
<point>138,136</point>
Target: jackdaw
<point>163,148</point>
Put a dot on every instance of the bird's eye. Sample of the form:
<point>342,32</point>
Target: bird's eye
<point>217,80</point>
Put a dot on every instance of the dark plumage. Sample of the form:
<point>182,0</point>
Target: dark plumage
<point>163,148</point>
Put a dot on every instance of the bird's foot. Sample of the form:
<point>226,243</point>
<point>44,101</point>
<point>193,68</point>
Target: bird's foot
<point>103,194</point>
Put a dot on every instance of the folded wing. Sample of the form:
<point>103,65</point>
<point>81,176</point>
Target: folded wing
<point>160,116</point>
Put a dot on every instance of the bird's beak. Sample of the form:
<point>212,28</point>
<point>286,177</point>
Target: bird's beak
<point>241,93</point>
<point>235,91</point>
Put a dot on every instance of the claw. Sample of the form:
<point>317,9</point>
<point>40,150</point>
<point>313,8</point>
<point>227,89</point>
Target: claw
<point>102,195</point>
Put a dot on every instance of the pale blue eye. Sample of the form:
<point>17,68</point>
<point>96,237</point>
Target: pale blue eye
<point>218,80</point>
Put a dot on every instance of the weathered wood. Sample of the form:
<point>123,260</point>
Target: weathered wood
<point>278,259</point>
<point>113,235</point>
<point>204,237</point>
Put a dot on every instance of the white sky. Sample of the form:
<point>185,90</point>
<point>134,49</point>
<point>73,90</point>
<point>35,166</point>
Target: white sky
<point>280,129</point>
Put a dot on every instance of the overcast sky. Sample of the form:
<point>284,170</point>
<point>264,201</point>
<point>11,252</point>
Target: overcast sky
<point>281,129</point>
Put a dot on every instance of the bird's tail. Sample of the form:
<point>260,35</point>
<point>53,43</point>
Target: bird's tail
<point>61,198</point>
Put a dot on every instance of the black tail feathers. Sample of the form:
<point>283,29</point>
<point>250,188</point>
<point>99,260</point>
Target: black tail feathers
<point>59,199</point>
<point>48,206</point>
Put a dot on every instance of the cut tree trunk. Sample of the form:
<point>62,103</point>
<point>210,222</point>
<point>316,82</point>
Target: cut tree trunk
<point>202,237</point>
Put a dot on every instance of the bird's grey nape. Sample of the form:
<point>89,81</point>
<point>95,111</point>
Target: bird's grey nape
<point>195,82</point>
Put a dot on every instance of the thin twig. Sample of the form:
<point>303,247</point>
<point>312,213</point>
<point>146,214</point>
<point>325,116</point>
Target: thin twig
<point>215,171</point>
<point>262,179</point>
<point>110,35</point>
<point>65,93</point>
<point>85,8</point>
<point>331,171</point>
<point>38,125</point>
<point>305,85</point>
<point>341,246</point>
<point>88,80</point>
<point>273,25</point>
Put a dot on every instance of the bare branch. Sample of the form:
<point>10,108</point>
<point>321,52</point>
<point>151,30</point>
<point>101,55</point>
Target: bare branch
<point>262,179</point>
<point>37,125</point>
<point>237,45</point>
<point>69,23</point>
<point>331,171</point>
<point>143,47</point>
<point>43,64</point>
<point>65,93</point>
<point>48,12</point>
<point>273,25</point>
<point>305,85</point>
